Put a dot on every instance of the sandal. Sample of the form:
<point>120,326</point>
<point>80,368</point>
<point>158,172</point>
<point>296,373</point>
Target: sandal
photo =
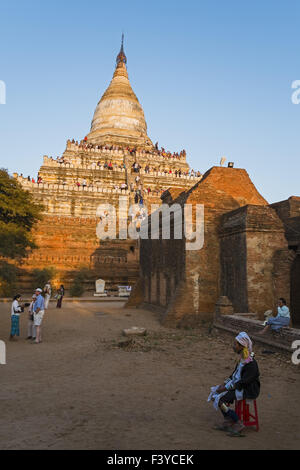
<point>236,430</point>
<point>221,427</point>
<point>235,434</point>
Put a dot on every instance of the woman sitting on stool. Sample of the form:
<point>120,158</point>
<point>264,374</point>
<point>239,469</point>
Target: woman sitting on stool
<point>242,384</point>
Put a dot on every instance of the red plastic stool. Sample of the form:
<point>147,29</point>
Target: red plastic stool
<point>242,409</point>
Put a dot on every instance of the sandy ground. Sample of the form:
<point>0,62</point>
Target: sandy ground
<point>80,389</point>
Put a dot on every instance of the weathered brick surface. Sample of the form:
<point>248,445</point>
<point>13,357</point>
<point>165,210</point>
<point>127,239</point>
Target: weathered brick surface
<point>288,209</point>
<point>70,243</point>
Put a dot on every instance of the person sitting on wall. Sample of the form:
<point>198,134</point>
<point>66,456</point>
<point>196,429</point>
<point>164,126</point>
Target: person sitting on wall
<point>282,319</point>
<point>242,384</point>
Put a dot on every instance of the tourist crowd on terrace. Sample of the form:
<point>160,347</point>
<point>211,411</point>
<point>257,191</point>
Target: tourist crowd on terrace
<point>136,168</point>
<point>162,152</point>
<point>135,186</point>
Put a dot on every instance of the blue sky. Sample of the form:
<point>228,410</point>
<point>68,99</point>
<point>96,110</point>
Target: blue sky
<point>213,77</point>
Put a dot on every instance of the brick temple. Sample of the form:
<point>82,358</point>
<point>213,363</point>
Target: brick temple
<point>117,158</point>
<point>250,255</point>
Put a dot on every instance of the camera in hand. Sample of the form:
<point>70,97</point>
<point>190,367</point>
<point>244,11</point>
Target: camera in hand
<point>24,306</point>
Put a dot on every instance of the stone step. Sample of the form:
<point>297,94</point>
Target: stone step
<point>254,316</point>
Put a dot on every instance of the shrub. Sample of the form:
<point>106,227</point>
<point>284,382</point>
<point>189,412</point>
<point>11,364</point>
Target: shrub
<point>42,276</point>
<point>77,286</point>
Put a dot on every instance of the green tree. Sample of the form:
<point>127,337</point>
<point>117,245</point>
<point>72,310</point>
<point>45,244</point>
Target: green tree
<point>8,278</point>
<point>18,215</point>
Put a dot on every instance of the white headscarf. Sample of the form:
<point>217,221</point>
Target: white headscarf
<point>245,341</point>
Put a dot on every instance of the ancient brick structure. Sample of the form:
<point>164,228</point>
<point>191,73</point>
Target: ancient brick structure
<point>289,213</point>
<point>245,254</point>
<point>252,241</point>
<point>117,158</point>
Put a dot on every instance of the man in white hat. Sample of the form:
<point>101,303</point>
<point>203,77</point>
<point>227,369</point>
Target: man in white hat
<point>38,313</point>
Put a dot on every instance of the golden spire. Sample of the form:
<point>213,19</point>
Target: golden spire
<point>119,117</point>
<point>121,57</point>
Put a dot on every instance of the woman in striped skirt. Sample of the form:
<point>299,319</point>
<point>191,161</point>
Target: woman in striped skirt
<point>16,309</point>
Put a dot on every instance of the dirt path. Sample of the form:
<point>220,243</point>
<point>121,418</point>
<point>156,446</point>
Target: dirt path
<point>80,390</point>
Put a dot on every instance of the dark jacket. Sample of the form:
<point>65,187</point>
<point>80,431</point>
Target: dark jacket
<point>249,382</point>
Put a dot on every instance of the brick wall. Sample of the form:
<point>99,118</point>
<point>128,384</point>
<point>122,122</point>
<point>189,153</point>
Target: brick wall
<point>70,243</point>
<point>253,255</point>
